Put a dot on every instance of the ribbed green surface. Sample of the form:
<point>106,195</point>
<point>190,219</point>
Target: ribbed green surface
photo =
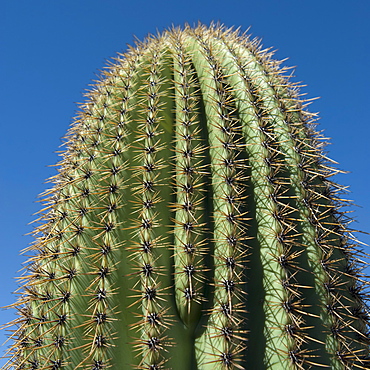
<point>192,224</point>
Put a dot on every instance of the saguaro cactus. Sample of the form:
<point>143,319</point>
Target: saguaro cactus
<point>193,224</point>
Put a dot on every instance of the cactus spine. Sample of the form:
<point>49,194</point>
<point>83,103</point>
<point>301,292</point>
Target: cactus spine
<point>192,224</point>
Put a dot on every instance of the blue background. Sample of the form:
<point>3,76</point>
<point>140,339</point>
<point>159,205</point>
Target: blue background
<point>51,50</point>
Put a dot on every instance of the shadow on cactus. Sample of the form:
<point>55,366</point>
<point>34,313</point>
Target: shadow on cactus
<point>193,224</point>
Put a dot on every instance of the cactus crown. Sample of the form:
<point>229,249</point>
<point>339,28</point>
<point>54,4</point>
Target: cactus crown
<point>193,224</point>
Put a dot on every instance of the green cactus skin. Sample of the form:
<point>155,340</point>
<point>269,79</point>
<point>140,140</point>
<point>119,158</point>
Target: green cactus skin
<point>192,224</point>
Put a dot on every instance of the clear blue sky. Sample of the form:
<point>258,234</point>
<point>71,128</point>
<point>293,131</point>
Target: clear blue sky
<point>52,49</point>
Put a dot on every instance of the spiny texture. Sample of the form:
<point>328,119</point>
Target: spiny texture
<point>193,224</point>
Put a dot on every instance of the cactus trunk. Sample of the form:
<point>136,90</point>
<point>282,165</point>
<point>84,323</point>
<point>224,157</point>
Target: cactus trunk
<point>192,224</point>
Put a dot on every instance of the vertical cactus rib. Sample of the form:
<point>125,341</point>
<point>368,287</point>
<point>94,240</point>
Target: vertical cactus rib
<point>290,251</point>
<point>269,228</point>
<point>323,217</point>
<point>223,338</point>
<point>193,224</point>
<point>287,146</point>
<point>150,292</point>
<point>80,248</point>
<point>189,222</point>
<point>304,167</point>
<point>99,253</point>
